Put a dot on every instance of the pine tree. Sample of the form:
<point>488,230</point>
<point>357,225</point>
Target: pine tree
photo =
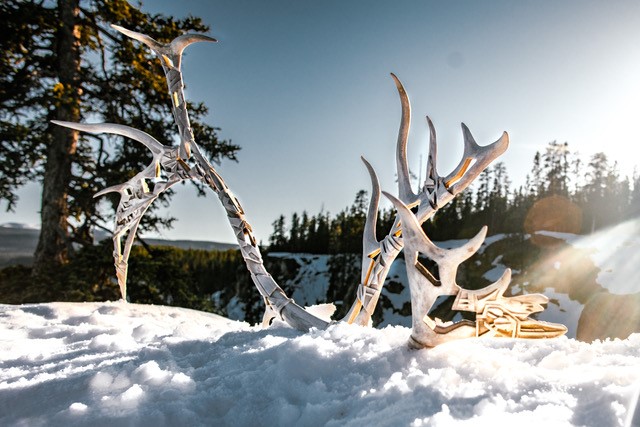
<point>498,198</point>
<point>61,60</point>
<point>595,191</point>
<point>634,204</point>
<point>278,238</point>
<point>294,233</point>
<point>556,168</point>
<point>535,185</point>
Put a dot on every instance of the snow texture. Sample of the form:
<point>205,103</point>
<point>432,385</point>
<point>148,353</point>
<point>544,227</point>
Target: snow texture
<point>112,364</point>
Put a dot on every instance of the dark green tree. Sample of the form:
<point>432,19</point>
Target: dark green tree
<point>278,238</point>
<point>556,168</point>
<point>595,191</point>
<point>535,184</point>
<point>498,198</point>
<point>61,60</point>
<point>295,232</point>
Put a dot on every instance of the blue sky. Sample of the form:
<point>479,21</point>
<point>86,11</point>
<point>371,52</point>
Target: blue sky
<point>304,88</point>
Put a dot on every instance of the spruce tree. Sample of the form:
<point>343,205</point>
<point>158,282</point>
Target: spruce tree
<point>61,60</point>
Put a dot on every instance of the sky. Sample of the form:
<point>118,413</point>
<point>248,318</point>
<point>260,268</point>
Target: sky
<point>304,88</point>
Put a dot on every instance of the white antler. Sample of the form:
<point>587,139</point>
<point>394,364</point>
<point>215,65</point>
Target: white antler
<point>435,193</point>
<point>187,162</point>
<point>495,314</point>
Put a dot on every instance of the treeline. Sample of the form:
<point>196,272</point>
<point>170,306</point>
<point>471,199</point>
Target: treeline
<point>157,275</point>
<point>561,192</point>
<point>213,281</point>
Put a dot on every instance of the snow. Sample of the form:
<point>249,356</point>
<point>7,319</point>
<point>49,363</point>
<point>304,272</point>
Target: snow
<point>563,310</point>
<point>312,280</point>
<point>112,364</point>
<point>19,226</point>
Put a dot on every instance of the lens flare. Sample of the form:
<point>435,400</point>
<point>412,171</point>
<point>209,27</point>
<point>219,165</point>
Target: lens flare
<point>595,277</point>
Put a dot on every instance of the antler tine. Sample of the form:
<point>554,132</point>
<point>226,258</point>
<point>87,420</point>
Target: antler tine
<point>150,142</point>
<point>370,244</point>
<point>432,181</point>
<point>171,59</point>
<point>377,257</point>
<point>367,289</point>
<point>153,44</point>
<point>405,192</point>
<point>172,50</point>
<point>432,172</point>
<point>178,44</point>
<point>474,160</point>
<point>121,253</point>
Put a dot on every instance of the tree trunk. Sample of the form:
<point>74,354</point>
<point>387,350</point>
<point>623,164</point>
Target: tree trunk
<point>54,243</point>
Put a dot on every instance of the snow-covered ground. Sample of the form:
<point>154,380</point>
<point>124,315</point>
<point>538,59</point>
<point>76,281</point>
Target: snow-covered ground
<point>112,364</point>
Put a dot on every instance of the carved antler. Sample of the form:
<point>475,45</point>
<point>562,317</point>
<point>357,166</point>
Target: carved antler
<point>187,162</point>
<point>496,315</point>
<point>136,195</point>
<point>435,193</point>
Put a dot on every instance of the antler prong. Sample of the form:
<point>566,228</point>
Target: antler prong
<point>170,53</point>
<point>474,160</point>
<point>171,58</point>
<point>405,192</point>
<point>144,138</point>
<point>370,242</point>
<point>432,179</point>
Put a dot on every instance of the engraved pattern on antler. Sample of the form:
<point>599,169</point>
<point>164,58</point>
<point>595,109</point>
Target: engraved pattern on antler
<point>435,193</point>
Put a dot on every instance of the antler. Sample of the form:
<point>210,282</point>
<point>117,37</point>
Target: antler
<point>496,315</point>
<point>171,59</point>
<point>135,194</point>
<point>435,193</point>
<point>187,162</point>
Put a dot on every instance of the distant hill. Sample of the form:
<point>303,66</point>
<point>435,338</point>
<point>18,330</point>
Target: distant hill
<point>18,242</point>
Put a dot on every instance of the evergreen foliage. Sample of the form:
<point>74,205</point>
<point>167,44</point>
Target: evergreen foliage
<point>600,196</point>
<point>61,60</point>
<point>162,275</point>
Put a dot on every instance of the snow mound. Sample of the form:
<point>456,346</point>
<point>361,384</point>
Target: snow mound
<point>106,364</point>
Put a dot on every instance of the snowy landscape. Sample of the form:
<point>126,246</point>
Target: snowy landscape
<point>535,321</point>
<point>127,364</point>
<point>118,363</point>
